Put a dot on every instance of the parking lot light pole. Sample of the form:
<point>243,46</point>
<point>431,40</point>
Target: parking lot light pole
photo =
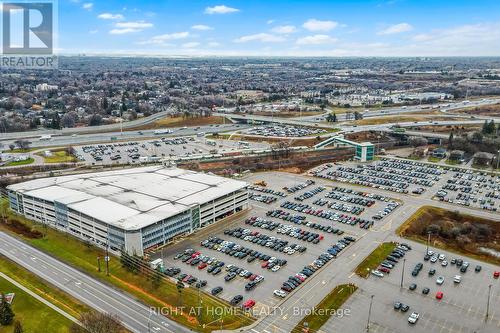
<point>403,272</point>
<point>488,304</point>
<point>369,314</point>
<point>428,241</point>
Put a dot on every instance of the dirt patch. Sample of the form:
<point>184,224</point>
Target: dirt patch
<point>451,230</point>
<point>485,110</point>
<point>309,142</point>
<point>21,229</point>
<point>288,114</point>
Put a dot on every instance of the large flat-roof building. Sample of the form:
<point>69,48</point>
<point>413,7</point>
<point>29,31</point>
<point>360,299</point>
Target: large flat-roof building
<point>133,209</point>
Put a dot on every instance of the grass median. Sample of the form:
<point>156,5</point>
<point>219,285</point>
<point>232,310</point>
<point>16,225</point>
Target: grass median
<point>325,309</point>
<point>374,259</point>
<point>33,314</point>
<point>22,162</point>
<point>198,311</point>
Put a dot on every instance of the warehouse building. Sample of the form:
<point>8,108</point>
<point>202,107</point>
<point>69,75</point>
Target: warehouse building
<point>135,209</point>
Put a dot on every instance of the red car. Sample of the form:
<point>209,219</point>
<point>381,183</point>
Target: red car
<point>249,304</point>
<point>384,269</point>
<point>202,265</point>
<point>496,274</point>
<point>194,255</point>
<point>439,295</point>
<point>264,264</point>
<point>252,277</point>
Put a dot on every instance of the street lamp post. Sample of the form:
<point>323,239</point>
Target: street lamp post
<point>369,314</point>
<point>403,272</point>
<point>488,304</point>
<point>428,241</point>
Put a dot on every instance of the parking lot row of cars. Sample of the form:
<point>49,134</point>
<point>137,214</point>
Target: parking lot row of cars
<point>284,229</point>
<point>310,194</point>
<point>271,242</point>
<point>367,171</point>
<point>307,271</point>
<point>284,131</point>
<point>298,187</point>
<point>391,260</point>
<point>240,252</point>
<point>266,190</point>
<point>267,199</point>
<point>356,210</point>
<point>347,177</point>
<point>422,169</point>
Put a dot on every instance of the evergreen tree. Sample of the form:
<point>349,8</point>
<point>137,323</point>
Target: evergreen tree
<point>450,140</point>
<point>6,313</point>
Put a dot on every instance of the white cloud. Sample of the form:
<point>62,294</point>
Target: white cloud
<point>270,22</point>
<point>220,9</point>
<point>213,44</point>
<point>93,31</point>
<point>134,24</point>
<point>316,40</point>
<point>162,39</point>
<point>262,37</point>
<point>317,25</point>
<point>88,6</point>
<point>284,29</point>
<point>190,45</point>
<point>110,16</point>
<point>130,27</point>
<point>201,27</point>
<point>396,29</point>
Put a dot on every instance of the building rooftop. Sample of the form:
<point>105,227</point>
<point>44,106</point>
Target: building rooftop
<point>133,198</point>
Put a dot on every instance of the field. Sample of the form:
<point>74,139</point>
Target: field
<point>181,121</point>
<point>83,256</point>
<point>325,309</point>
<point>25,162</point>
<point>58,156</point>
<point>289,114</point>
<point>374,259</point>
<point>450,230</point>
<point>35,316</point>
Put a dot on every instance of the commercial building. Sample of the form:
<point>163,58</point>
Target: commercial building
<point>364,151</point>
<point>134,209</point>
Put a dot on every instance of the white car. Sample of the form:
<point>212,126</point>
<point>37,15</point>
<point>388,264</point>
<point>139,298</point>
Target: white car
<point>434,259</point>
<point>457,279</point>
<point>444,263</point>
<point>276,268</point>
<point>440,280</point>
<point>279,293</point>
<point>442,257</point>
<point>377,273</point>
<point>412,319</point>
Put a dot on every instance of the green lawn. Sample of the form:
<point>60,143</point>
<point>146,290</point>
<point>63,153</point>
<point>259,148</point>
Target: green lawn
<point>34,316</point>
<point>83,256</point>
<point>374,259</point>
<point>58,156</point>
<point>325,309</point>
<point>434,159</point>
<point>25,162</point>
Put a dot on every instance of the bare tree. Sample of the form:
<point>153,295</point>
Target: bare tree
<point>97,322</point>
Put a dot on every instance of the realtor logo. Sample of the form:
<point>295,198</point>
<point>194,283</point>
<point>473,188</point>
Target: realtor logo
<point>27,28</point>
<point>28,34</point>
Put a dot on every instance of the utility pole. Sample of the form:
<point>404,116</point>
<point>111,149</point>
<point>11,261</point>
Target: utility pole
<point>403,272</point>
<point>488,304</point>
<point>498,158</point>
<point>369,314</point>
<point>428,241</point>
<point>107,258</point>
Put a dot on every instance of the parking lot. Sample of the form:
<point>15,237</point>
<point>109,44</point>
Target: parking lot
<point>400,176</point>
<point>284,131</point>
<point>276,244</point>
<point>470,188</point>
<point>462,307</point>
<point>161,147</point>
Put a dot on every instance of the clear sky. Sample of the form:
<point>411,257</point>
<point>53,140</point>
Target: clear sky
<point>281,27</point>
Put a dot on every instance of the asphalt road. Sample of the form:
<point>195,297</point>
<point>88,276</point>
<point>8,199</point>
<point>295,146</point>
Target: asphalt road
<point>82,139</point>
<point>134,315</point>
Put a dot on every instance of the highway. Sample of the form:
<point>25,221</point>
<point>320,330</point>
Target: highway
<point>82,139</point>
<point>134,315</point>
